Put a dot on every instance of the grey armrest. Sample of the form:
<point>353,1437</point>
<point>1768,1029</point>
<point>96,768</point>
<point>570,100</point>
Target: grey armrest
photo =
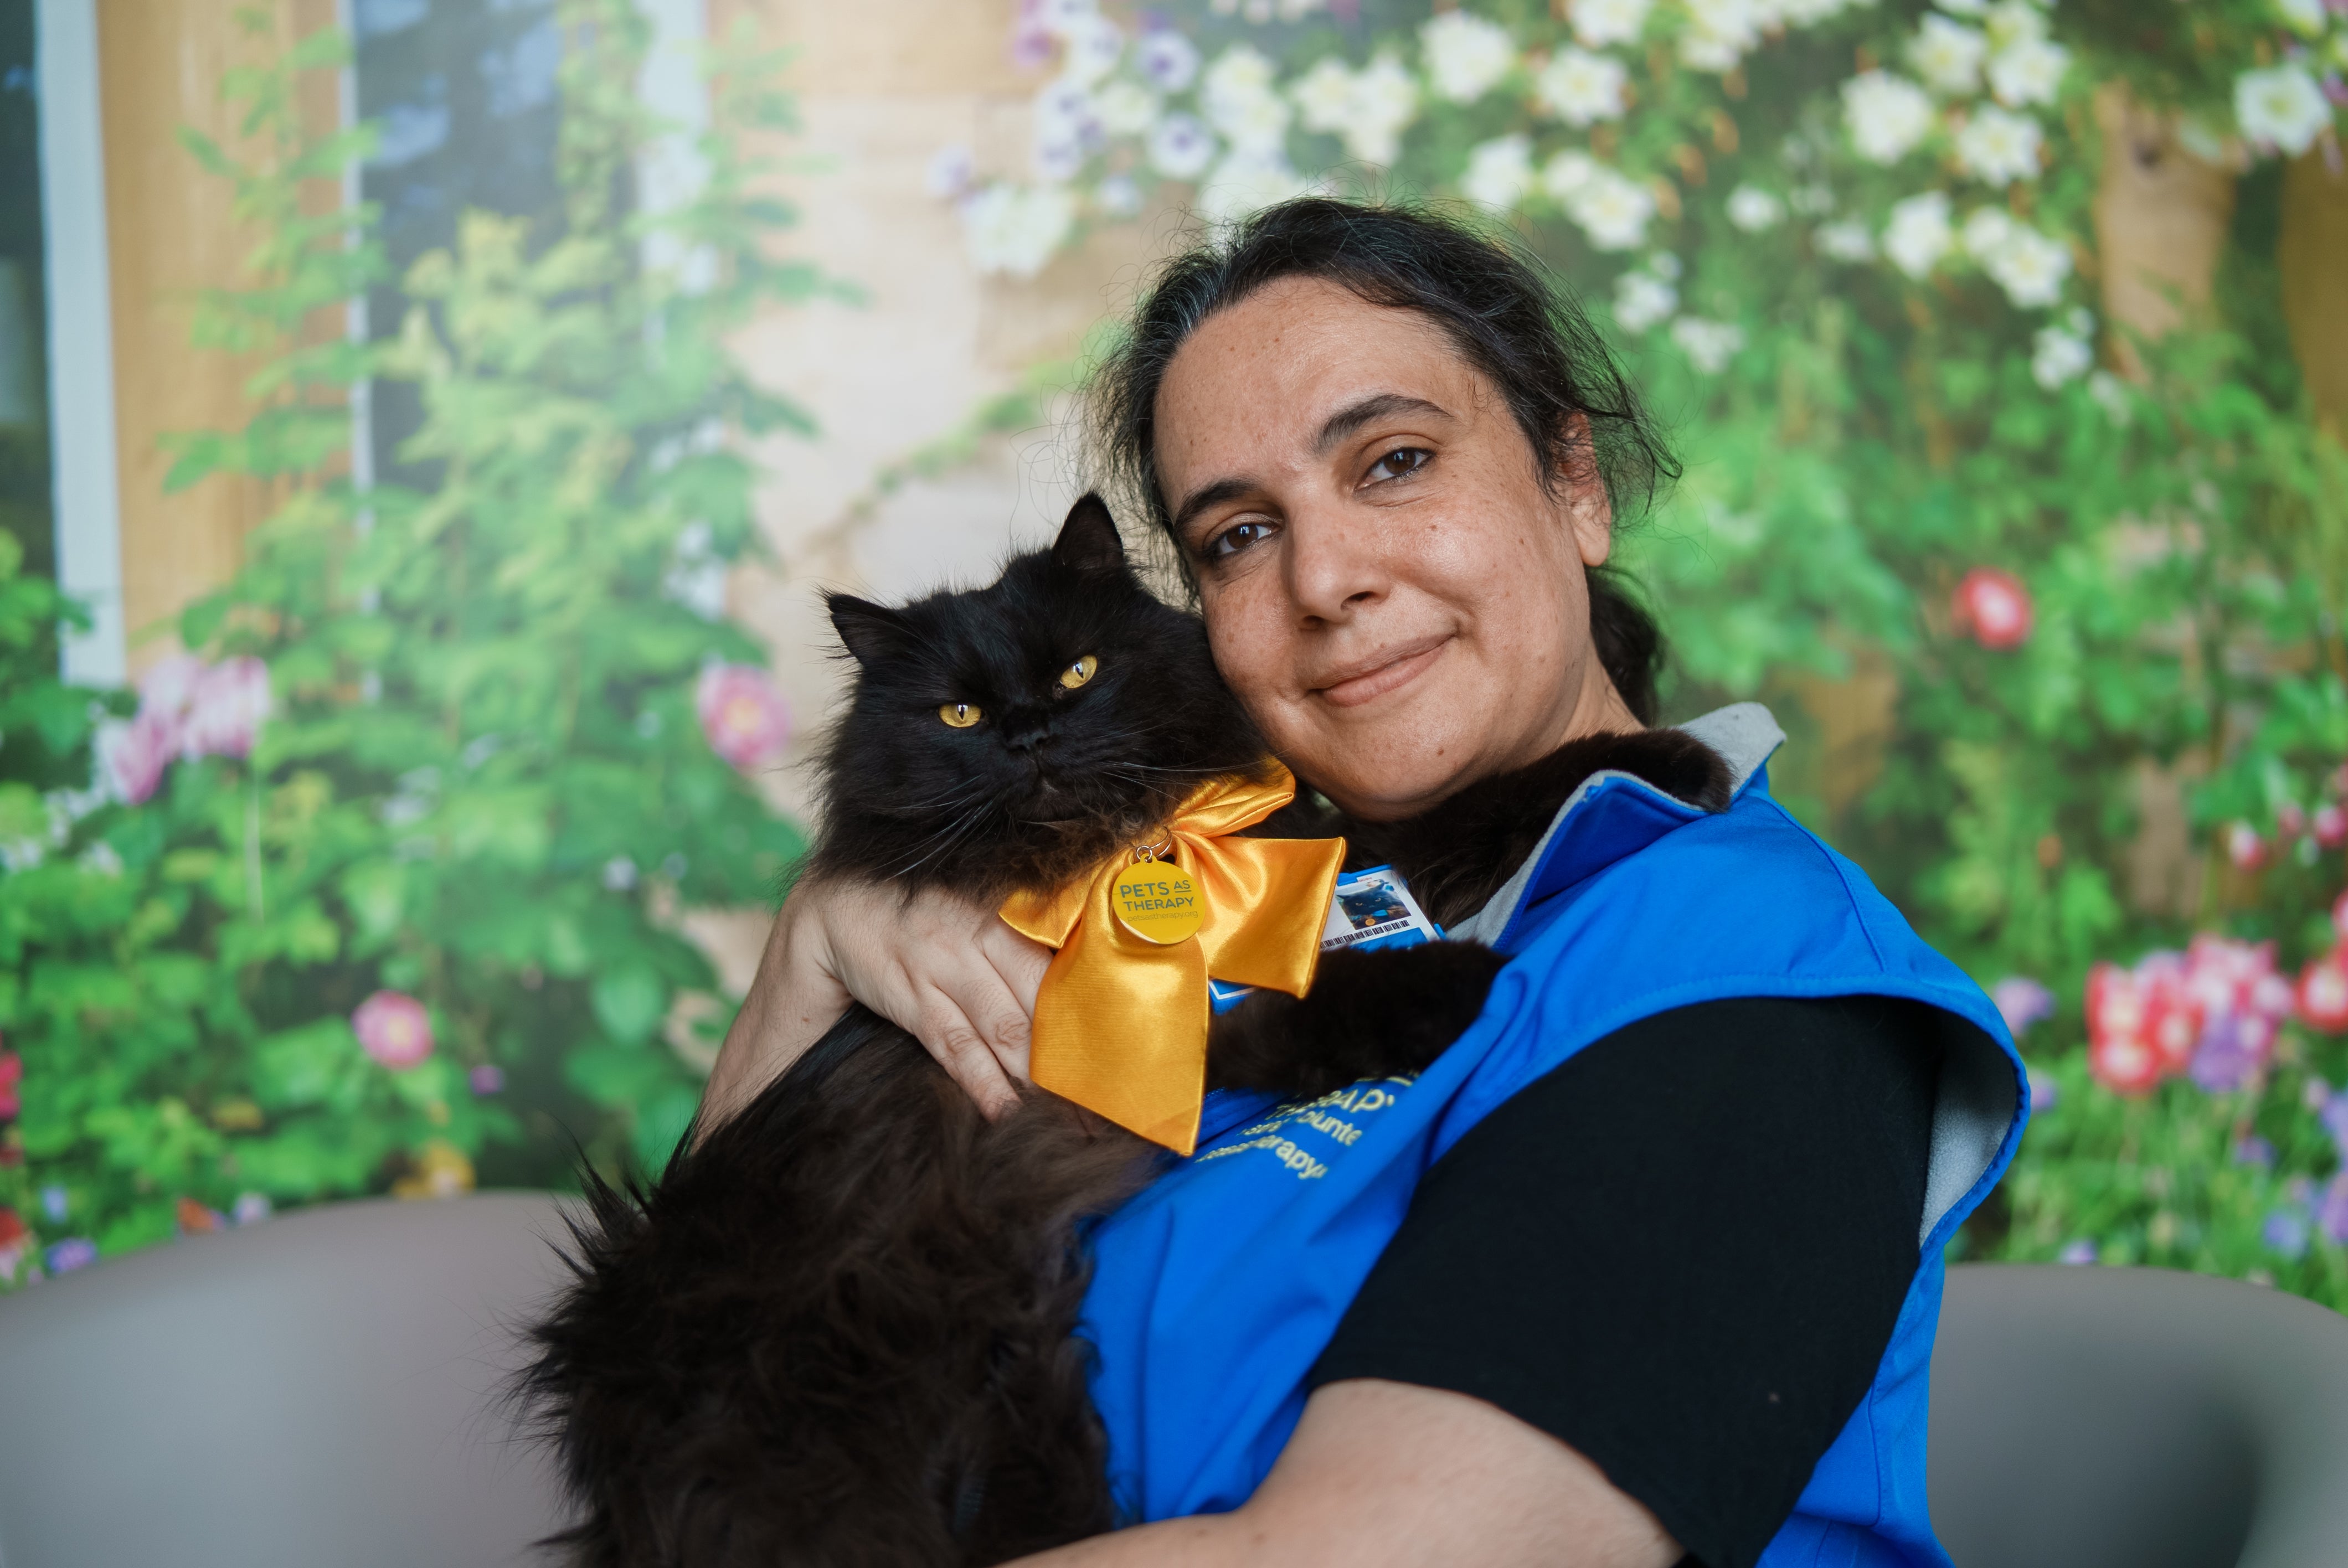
<point>315,1392</point>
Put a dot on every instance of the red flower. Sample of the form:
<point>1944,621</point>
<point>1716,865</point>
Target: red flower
<point>1993,608</point>
<point>2331,826</point>
<point>2322,993</point>
<point>12,1073</point>
<point>2142,1023</point>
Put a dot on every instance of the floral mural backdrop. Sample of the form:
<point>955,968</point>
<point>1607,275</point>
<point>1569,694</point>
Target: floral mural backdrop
<point>2000,342</point>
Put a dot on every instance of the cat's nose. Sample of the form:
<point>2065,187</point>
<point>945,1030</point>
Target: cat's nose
<point>1027,736</point>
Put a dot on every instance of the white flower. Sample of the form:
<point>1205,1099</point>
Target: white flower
<point>1579,87</point>
<point>2029,267</point>
<point>1065,128</point>
<point>1368,109</point>
<point>1723,31</point>
<point>1947,54</point>
<point>1324,95</point>
<point>2305,16</point>
<point>1751,209</point>
<point>1061,17</point>
<point>2028,71</point>
<point>1598,23</point>
<point>1500,171</point>
<point>950,172</point>
<point>1811,200</point>
<point>1998,148</point>
<point>1888,115</point>
<point>1707,345</point>
<point>1612,211</point>
<point>1118,196</point>
<point>2282,106</point>
<point>1244,183</point>
<point>1166,58</point>
<point>1641,299</point>
<point>1568,172</point>
<point>1126,109</point>
<point>1918,235</point>
<point>1179,147</point>
<point>1804,13</point>
<point>1093,48</point>
<point>2009,21</point>
<point>1846,241</point>
<point>1988,229</point>
<point>1466,55</point>
<point>2111,392</point>
<point>1237,94</point>
<point>2058,356</point>
<point>1664,265</point>
<point>1963,7</point>
<point>1014,229</point>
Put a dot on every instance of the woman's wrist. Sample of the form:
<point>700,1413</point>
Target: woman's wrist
<point>795,997</point>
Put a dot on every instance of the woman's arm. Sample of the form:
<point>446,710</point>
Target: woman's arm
<point>1388,1475</point>
<point>949,971</point>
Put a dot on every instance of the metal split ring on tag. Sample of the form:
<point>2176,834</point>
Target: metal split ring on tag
<point>1155,899</point>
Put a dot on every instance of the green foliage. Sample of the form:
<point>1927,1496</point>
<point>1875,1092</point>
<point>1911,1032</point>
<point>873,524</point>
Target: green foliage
<point>484,783</point>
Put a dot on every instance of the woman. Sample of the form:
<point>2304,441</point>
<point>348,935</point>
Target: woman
<point>1644,1269</point>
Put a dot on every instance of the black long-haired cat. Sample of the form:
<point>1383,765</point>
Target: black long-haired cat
<point>838,1330</point>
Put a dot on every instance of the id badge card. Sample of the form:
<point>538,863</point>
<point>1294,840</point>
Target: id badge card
<point>1370,910</point>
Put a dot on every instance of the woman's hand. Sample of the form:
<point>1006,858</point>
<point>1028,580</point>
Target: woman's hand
<point>1391,1475</point>
<point>949,971</point>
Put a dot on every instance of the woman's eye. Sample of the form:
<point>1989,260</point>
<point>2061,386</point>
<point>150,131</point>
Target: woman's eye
<point>1401,463</point>
<point>1076,674</point>
<point>961,715</point>
<point>1235,538</point>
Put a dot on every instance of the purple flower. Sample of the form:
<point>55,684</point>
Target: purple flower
<point>2334,1117</point>
<point>2231,1052</point>
<point>74,1252</point>
<point>2253,1150</point>
<point>2332,1213</point>
<point>394,1029</point>
<point>252,1208</point>
<point>2314,1093</point>
<point>2285,1232</point>
<point>54,1204</point>
<point>1166,58</point>
<point>487,1079</point>
<point>2044,1091</point>
<point>2078,1252</point>
<point>132,755</point>
<point>2022,1002</point>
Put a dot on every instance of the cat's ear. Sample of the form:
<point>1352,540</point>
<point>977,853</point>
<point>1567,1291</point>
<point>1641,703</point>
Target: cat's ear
<point>872,632</point>
<point>1088,540</point>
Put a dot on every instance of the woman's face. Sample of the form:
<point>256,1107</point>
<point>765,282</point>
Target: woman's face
<point>1388,585</point>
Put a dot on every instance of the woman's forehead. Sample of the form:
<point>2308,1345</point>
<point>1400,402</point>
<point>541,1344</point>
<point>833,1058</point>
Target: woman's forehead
<point>1264,377</point>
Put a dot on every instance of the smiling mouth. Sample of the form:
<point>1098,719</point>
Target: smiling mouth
<point>1394,668</point>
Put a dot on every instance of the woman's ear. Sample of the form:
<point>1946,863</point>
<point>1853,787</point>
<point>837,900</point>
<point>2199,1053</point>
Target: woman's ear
<point>1088,540</point>
<point>872,632</point>
<point>1589,509</point>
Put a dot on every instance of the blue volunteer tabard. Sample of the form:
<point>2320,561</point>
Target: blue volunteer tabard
<point>1219,1286</point>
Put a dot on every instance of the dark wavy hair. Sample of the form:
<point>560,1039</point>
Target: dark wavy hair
<point>1502,311</point>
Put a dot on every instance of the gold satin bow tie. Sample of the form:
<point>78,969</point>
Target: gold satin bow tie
<point>1121,1021</point>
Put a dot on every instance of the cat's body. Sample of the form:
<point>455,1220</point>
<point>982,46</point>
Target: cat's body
<point>838,1330</point>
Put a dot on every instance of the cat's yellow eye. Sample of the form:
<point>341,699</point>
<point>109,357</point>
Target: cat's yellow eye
<point>961,715</point>
<point>1076,674</point>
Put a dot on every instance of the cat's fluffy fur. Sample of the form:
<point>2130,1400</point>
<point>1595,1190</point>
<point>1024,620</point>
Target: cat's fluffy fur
<point>838,1330</point>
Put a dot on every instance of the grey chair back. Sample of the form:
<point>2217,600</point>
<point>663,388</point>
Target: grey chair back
<point>2133,1418</point>
<point>319,1391</point>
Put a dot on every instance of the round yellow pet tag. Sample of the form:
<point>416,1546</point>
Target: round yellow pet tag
<point>1157,901</point>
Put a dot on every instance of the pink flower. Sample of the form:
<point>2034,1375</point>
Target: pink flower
<point>742,715</point>
<point>2322,993</point>
<point>2340,916</point>
<point>224,710</point>
<point>394,1029</point>
<point>2244,848</point>
<point>1993,608</point>
<point>12,1073</point>
<point>2131,1017</point>
<point>2289,821</point>
<point>2022,1002</point>
<point>2331,826</point>
<point>166,690</point>
<point>132,755</point>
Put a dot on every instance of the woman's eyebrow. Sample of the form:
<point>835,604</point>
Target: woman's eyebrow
<point>1208,495</point>
<point>1378,405</point>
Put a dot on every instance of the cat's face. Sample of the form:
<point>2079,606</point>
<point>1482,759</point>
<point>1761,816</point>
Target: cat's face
<point>1014,735</point>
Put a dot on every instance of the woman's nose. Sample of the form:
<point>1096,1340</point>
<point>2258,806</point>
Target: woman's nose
<point>1334,565</point>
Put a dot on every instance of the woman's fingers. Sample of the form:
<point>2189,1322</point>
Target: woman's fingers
<point>944,1029</point>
